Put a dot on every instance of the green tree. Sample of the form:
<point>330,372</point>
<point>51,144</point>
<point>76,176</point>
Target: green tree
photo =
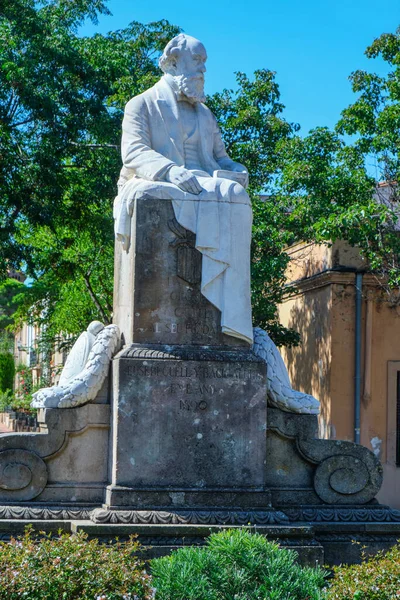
<point>254,130</point>
<point>326,180</point>
<point>7,371</point>
<point>318,187</point>
<point>61,102</point>
<point>9,290</point>
<point>375,121</point>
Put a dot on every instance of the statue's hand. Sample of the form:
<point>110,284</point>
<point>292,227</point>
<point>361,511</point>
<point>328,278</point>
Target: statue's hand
<point>184,179</point>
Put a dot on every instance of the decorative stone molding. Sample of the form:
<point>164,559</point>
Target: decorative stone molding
<point>203,353</point>
<point>44,513</point>
<point>324,278</point>
<point>345,473</point>
<point>321,514</point>
<point>193,517</point>
<point>23,475</point>
<point>36,454</point>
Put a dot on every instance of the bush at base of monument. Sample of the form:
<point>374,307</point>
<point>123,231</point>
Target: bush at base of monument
<point>376,578</point>
<point>71,567</point>
<point>235,564</point>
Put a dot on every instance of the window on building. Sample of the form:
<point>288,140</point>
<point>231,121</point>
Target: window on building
<point>398,419</point>
<point>393,414</point>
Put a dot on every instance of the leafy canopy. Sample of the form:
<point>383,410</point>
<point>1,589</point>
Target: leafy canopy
<point>61,103</point>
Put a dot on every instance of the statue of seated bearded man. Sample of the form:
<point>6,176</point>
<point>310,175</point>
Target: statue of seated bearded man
<point>172,149</point>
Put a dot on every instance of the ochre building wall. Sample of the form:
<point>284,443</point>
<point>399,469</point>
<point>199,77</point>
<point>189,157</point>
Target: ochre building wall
<point>320,305</point>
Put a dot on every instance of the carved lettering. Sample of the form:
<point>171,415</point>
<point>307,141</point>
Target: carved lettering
<point>189,326</point>
<point>194,312</point>
<point>191,388</point>
<point>190,405</point>
<point>161,371</point>
<point>185,405</point>
<point>200,372</point>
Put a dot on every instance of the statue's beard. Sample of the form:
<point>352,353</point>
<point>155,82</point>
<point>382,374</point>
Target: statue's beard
<point>191,86</point>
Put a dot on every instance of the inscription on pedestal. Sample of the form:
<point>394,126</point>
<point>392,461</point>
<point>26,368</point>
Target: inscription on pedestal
<point>190,424</point>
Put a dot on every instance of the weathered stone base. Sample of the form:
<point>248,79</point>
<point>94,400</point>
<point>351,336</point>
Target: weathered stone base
<point>159,540</point>
<point>189,428</point>
<point>124,498</point>
<point>320,534</point>
<point>66,461</point>
<point>200,473</point>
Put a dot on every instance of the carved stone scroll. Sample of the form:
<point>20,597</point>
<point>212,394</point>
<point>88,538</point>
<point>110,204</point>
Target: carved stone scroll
<point>23,475</point>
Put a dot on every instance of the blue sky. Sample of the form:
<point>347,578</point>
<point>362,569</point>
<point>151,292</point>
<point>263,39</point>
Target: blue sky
<point>312,45</point>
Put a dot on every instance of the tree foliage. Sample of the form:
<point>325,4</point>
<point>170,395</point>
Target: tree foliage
<point>61,103</point>
<point>374,118</point>
<point>7,371</point>
<point>254,130</point>
<point>10,289</point>
<point>328,178</point>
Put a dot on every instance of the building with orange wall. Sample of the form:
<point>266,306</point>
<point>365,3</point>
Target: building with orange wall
<point>350,355</point>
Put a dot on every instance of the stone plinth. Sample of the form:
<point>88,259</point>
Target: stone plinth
<point>66,461</point>
<point>157,297</point>
<point>189,428</point>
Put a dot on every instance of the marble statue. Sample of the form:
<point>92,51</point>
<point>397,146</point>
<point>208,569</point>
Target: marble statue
<point>280,393</point>
<point>84,371</point>
<point>172,149</point>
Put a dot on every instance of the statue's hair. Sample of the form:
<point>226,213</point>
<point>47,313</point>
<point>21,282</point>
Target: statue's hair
<point>171,51</point>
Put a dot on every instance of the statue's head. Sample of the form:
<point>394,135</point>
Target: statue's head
<point>184,58</point>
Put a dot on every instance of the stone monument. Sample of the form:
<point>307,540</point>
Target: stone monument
<point>195,425</point>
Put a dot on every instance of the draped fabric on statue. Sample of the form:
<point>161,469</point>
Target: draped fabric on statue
<point>220,216</point>
<point>222,230</point>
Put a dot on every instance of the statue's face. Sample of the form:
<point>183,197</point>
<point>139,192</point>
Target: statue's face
<point>191,61</point>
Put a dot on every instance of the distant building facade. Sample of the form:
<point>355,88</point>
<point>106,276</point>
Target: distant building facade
<point>27,351</point>
<point>350,352</point>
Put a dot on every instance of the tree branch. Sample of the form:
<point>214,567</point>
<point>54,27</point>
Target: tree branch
<point>22,122</point>
<point>96,302</point>
<point>95,145</point>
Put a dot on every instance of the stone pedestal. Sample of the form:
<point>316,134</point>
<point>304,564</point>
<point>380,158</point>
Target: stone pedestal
<point>189,428</point>
<point>189,402</point>
<point>157,297</point>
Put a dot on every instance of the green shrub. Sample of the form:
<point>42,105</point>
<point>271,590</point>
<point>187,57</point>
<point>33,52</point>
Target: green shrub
<point>22,404</point>
<point>235,565</point>
<point>376,578</point>
<point>23,396</point>
<point>7,371</point>
<point>6,400</point>
<point>71,567</point>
